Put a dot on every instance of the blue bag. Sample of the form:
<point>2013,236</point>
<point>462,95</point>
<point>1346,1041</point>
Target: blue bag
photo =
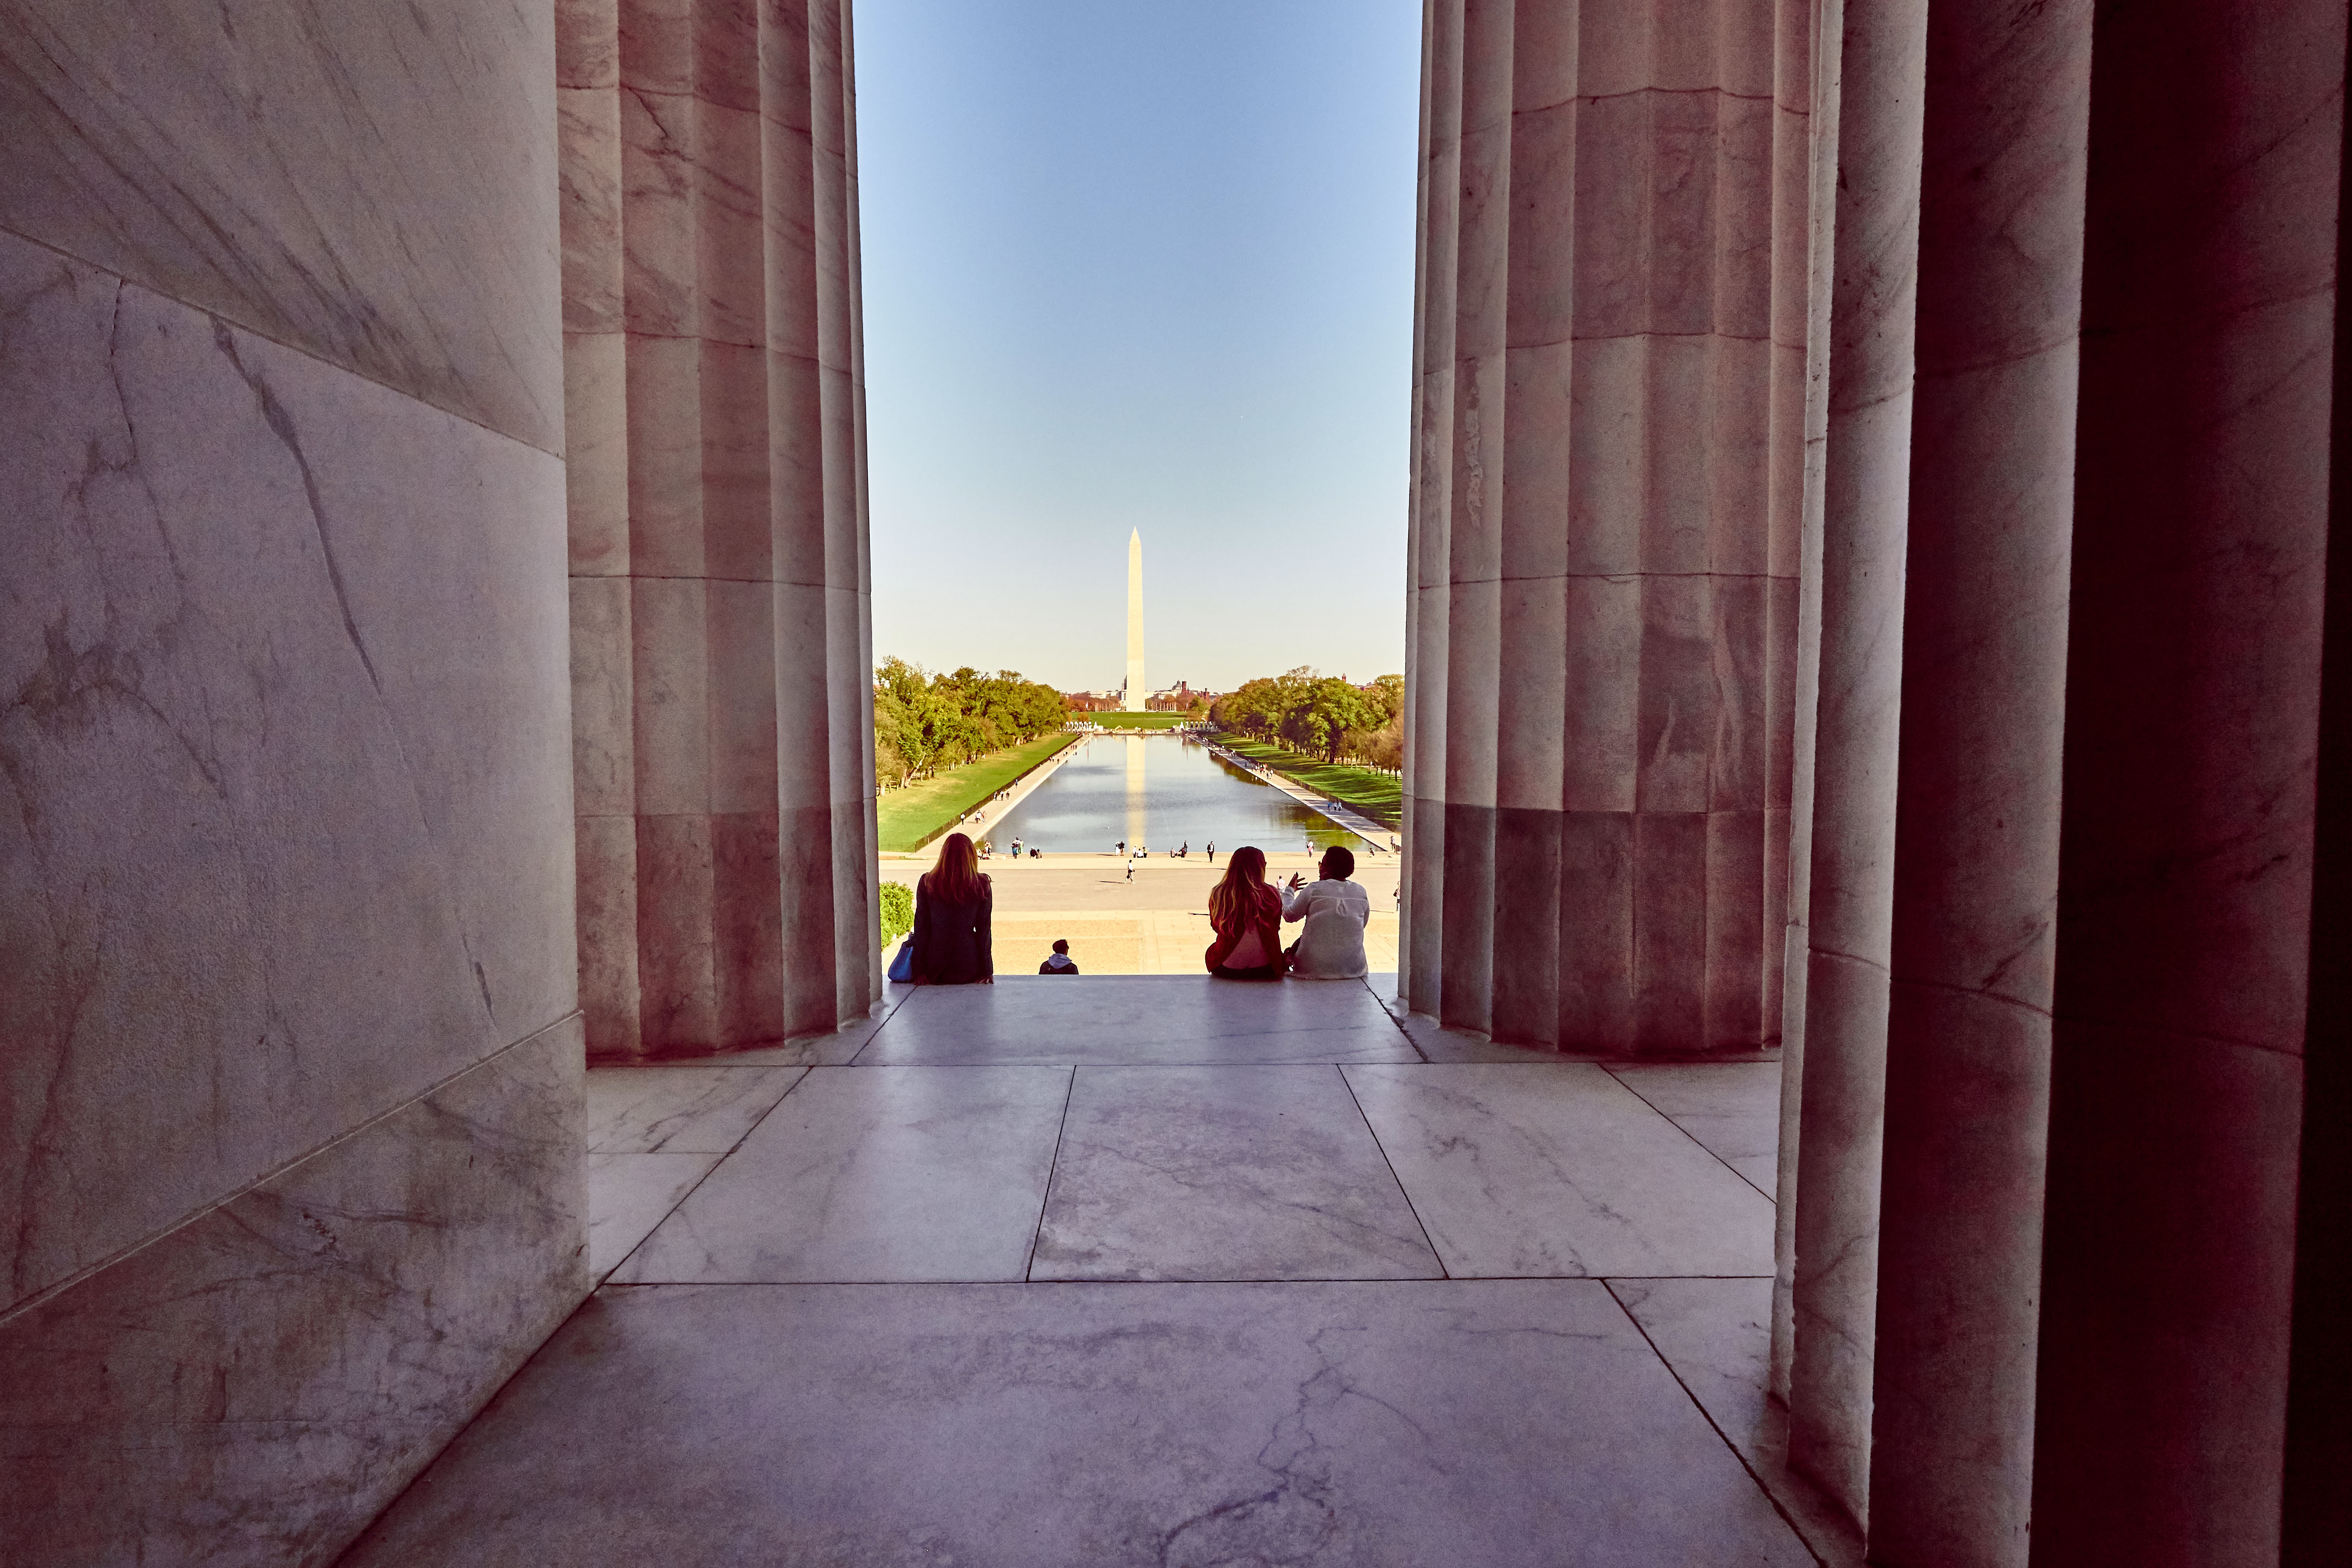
<point>902,967</point>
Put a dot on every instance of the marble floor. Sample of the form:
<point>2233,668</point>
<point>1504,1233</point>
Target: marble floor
<point>1152,1270</point>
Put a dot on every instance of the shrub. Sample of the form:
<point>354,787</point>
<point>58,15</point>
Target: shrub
<point>897,911</point>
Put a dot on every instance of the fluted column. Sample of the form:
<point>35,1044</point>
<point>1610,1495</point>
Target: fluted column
<point>2192,687</point>
<point>1976,858</point>
<point>717,524</point>
<point>1804,155</point>
<point>1426,589</point>
<point>1600,543</point>
<point>1874,256</point>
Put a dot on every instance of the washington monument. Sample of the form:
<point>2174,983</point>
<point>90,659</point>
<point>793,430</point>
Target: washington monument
<point>1136,692</point>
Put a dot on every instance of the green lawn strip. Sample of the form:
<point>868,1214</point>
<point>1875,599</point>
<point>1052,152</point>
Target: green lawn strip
<point>1137,721</point>
<point>1376,794</point>
<point>911,817</point>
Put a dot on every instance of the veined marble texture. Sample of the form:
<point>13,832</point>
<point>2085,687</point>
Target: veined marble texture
<point>283,750</point>
<point>1557,1169</point>
<point>253,1386</point>
<point>1505,1424</point>
<point>1223,1172</point>
<point>377,189</point>
<point>1603,556</point>
<point>721,601</point>
<point>680,1111</point>
<point>867,1173</point>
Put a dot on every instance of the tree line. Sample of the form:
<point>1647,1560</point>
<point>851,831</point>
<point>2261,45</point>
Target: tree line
<point>1324,714</point>
<point>923,722</point>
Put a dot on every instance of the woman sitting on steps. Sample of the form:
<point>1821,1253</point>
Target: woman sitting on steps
<point>952,905</point>
<point>1247,917</point>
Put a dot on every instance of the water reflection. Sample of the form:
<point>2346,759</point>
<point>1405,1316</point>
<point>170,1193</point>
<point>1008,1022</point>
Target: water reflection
<point>1159,790</point>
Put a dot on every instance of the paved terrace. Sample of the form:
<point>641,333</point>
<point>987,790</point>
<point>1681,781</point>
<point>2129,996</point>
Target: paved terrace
<point>1148,1271</point>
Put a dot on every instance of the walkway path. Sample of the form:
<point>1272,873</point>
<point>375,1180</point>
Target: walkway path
<point>1147,1271</point>
<point>1377,834</point>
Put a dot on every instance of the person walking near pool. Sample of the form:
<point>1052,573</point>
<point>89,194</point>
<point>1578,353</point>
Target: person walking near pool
<point>1246,915</point>
<point>1212,851</point>
<point>953,904</point>
<point>1330,945</point>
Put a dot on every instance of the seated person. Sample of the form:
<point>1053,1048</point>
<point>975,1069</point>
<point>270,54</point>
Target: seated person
<point>1059,962</point>
<point>1331,946</point>
<point>953,902</point>
<point>1246,915</point>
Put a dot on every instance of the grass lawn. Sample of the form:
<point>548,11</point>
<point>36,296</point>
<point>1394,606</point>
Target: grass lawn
<point>1137,720</point>
<point>1375,794</point>
<point>913,816</point>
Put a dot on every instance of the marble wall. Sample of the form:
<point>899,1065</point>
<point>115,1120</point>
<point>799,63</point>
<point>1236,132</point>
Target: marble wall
<point>720,591</point>
<point>289,1145</point>
<point>1607,494</point>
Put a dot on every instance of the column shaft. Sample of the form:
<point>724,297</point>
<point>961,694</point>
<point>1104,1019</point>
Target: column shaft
<point>720,621</point>
<point>1426,587</point>
<point>2191,722</point>
<point>1875,255</point>
<point>1599,540</point>
<point>1976,859</point>
<point>1805,73</point>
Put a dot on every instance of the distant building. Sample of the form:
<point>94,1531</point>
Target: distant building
<point>1177,699</point>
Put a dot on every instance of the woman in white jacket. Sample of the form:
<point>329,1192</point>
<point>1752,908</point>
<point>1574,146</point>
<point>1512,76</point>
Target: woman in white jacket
<point>1331,945</point>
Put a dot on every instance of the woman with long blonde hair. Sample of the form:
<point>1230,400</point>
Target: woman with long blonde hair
<point>953,904</point>
<point>1246,915</point>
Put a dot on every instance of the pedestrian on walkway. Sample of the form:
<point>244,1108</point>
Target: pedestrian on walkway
<point>1212,851</point>
<point>1130,870</point>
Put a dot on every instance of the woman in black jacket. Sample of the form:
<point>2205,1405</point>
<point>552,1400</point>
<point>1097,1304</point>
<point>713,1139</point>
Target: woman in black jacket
<point>952,903</point>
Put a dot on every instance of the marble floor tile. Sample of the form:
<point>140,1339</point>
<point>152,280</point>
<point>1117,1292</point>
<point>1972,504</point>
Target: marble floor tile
<point>680,1109</point>
<point>628,1194</point>
<point>874,1173</point>
<point>1732,1108</point>
<point>1160,1020</point>
<point>1540,1169</point>
<point>1223,1172</point>
<point>1717,1336</point>
<point>1502,1424</point>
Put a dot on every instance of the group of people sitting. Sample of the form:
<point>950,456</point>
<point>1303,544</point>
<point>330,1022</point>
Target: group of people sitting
<point>953,945</point>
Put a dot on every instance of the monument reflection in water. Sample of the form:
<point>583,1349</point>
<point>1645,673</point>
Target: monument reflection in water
<point>1161,791</point>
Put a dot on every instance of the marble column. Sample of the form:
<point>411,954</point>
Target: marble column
<point>290,1056</point>
<point>1976,847</point>
<point>719,593</point>
<point>2192,686</point>
<point>1865,479</point>
<point>1422,877</point>
<point>1804,97</point>
<point>1595,643</point>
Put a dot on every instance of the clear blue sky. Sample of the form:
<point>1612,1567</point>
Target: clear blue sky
<point>1146,266</point>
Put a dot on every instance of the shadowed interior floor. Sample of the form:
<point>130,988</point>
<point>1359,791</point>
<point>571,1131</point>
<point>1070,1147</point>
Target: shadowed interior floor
<point>1148,1271</point>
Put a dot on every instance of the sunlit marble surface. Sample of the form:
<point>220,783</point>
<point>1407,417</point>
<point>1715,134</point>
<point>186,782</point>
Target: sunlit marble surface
<point>1733,1108</point>
<point>1557,1169</point>
<point>1506,1424</point>
<point>1231,1172</point>
<point>680,1111</point>
<point>1005,1311</point>
<point>1168,1020</point>
<point>874,1173</point>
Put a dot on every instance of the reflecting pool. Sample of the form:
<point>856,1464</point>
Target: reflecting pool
<point>1159,791</point>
